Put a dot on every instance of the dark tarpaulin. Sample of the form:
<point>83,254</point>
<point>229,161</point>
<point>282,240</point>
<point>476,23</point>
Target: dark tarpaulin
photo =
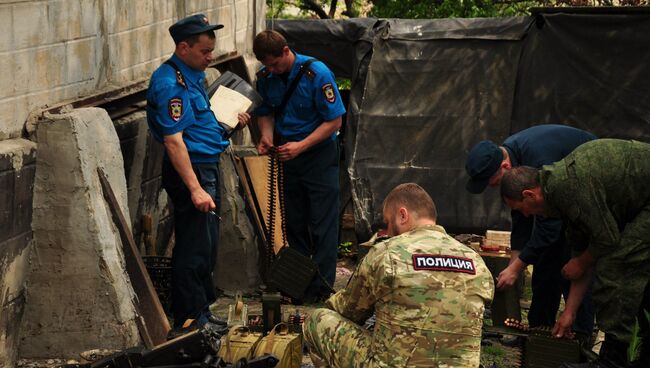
<point>340,44</point>
<point>587,70</point>
<point>425,91</point>
<point>434,88</point>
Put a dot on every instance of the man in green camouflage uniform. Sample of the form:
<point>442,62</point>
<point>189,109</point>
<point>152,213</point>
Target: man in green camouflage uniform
<point>602,191</point>
<point>428,292</point>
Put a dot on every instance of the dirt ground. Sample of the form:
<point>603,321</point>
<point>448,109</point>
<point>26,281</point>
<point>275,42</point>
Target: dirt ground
<point>495,352</point>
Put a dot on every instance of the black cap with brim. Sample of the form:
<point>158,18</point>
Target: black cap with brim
<point>477,186</point>
<point>483,161</point>
<point>190,26</point>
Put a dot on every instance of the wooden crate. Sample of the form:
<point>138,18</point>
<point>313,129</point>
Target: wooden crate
<point>498,238</point>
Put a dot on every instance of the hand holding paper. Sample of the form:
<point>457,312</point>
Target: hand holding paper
<point>226,104</point>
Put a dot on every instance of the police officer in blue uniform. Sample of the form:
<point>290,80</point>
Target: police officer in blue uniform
<point>179,117</point>
<point>534,240</point>
<point>306,130</point>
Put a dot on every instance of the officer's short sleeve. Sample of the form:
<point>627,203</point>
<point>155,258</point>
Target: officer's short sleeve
<point>326,93</point>
<point>265,108</point>
<point>173,112</point>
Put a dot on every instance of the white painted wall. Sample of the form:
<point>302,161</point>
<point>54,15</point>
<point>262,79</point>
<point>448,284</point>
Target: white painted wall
<point>57,50</point>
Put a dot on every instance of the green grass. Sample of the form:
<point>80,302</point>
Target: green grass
<point>493,355</point>
<point>635,343</point>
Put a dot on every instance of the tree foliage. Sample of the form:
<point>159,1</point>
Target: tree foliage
<point>416,9</point>
<point>324,9</point>
<point>422,9</point>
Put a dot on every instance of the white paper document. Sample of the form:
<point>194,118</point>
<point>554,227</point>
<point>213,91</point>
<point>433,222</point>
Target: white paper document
<point>227,103</point>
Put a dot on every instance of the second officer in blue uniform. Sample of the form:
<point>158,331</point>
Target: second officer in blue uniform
<point>179,117</point>
<point>306,127</point>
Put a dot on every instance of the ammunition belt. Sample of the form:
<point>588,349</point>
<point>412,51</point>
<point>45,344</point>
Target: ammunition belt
<point>275,184</point>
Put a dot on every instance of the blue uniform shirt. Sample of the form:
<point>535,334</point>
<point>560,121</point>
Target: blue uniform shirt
<point>537,146</point>
<point>316,99</point>
<point>172,108</point>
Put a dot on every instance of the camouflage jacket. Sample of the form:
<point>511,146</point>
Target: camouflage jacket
<point>597,190</point>
<point>428,292</point>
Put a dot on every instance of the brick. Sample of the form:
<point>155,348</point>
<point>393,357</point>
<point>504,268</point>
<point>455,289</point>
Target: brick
<point>29,23</point>
<point>120,15</point>
<point>163,10</point>
<point>6,28</point>
<point>113,9</point>
<point>196,6</point>
<point>223,16</point>
<point>22,70</point>
<point>16,154</point>
<point>158,40</point>
<point>153,159</point>
<point>240,39</point>
<point>151,190</point>
<point>128,148</point>
<point>163,233</point>
<point>225,44</point>
<point>243,12</point>
<point>123,42</point>
<point>7,78</point>
<point>11,249</point>
<point>89,19</point>
<point>23,189</point>
<point>81,61</point>
<point>167,44</point>
<point>60,19</point>
<point>143,13</point>
<point>7,181</point>
<point>141,46</point>
<point>30,72</point>
<point>47,67</point>
<point>10,127</point>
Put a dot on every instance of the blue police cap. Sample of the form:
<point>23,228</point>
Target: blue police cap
<point>483,161</point>
<point>192,25</point>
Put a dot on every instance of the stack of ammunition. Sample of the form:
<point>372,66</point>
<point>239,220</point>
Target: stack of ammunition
<point>511,322</point>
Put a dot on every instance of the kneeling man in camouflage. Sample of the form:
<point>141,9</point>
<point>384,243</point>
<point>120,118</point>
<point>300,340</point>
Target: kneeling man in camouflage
<point>428,292</point>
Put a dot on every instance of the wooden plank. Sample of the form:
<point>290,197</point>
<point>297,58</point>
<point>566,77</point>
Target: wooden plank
<point>257,167</point>
<point>252,203</point>
<point>156,326</point>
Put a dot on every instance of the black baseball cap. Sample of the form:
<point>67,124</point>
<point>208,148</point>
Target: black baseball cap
<point>192,25</point>
<point>483,161</point>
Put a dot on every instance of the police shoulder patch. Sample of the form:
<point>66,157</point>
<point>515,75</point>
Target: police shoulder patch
<point>262,73</point>
<point>439,262</point>
<point>328,91</point>
<point>175,108</point>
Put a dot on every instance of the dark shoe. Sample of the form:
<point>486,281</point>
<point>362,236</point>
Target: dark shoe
<point>511,340</point>
<point>217,321</point>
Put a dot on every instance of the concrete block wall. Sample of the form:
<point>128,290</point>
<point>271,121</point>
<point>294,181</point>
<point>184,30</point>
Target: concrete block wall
<point>17,168</point>
<point>58,50</point>
<point>53,51</point>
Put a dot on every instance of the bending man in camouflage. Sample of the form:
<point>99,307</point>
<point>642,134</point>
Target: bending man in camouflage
<point>428,292</point>
<point>602,192</point>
